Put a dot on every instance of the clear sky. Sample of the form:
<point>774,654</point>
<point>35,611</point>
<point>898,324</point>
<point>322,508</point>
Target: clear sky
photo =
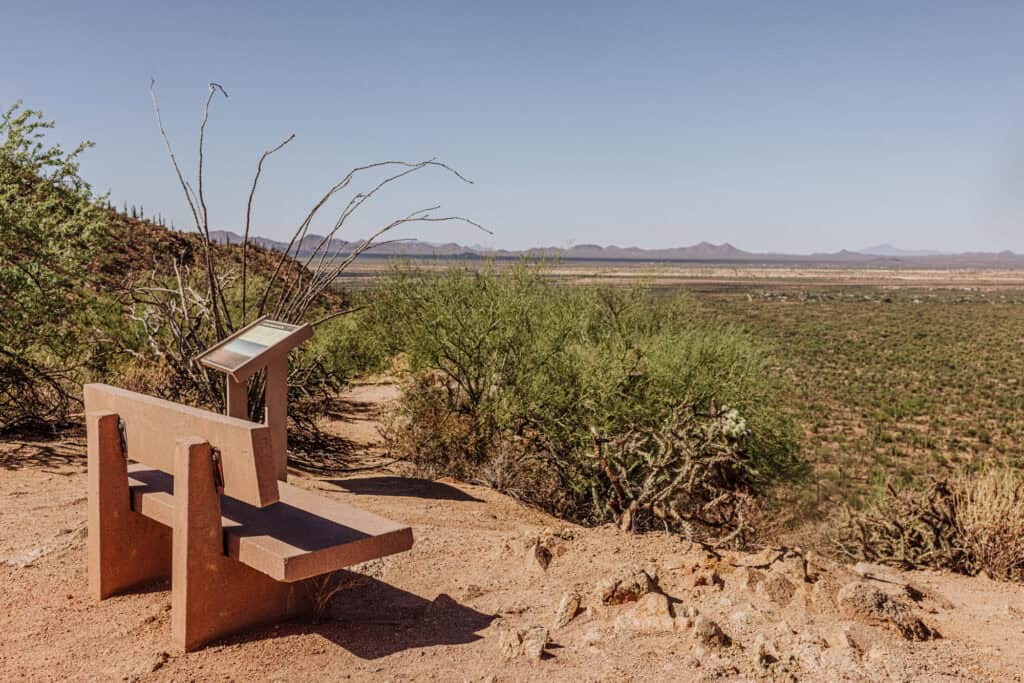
<point>776,126</point>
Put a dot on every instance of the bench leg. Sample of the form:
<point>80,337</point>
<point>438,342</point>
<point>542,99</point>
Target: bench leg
<point>214,595</point>
<point>124,549</point>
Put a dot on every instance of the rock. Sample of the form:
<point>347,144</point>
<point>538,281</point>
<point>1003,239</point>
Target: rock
<point>778,588</point>
<point>684,616</point>
<point>764,651</point>
<point>538,557</point>
<point>651,614</point>
<point>567,610</point>
<point>158,663</point>
<point>749,579</point>
<point>653,605</point>
<point>823,595</point>
<point>808,656</point>
<point>510,643</point>
<point>868,604</point>
<point>794,566</point>
<point>528,642</point>
<point>534,641</point>
<point>709,633</point>
<point>843,640</point>
<point>708,577</point>
<point>673,564</point>
<point>628,586</point>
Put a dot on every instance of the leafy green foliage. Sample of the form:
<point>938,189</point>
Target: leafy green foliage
<point>52,320</point>
<point>512,365</point>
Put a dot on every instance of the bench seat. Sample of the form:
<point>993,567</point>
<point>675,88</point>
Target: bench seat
<point>301,536</point>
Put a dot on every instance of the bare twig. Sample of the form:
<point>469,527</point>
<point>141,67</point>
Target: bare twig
<point>338,314</point>
<point>174,161</point>
<point>199,215</point>
<point>300,233</point>
<point>217,293</point>
<point>248,217</point>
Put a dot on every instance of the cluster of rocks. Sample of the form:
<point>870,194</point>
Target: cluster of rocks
<point>779,613</point>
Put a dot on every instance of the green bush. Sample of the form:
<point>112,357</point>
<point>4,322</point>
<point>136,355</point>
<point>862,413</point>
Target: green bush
<point>518,380</point>
<point>55,326</point>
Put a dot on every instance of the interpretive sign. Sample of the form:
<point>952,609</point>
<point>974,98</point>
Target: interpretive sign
<point>262,345</point>
<point>253,347</point>
<point>251,343</point>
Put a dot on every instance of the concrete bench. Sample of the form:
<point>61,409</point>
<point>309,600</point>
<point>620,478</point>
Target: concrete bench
<point>201,504</point>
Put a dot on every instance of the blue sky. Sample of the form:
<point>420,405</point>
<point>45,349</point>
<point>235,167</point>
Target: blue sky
<point>776,126</point>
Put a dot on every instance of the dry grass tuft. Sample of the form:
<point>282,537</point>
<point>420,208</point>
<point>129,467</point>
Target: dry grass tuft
<point>990,519</point>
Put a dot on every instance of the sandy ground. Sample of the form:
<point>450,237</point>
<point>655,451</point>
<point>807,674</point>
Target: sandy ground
<point>455,607</point>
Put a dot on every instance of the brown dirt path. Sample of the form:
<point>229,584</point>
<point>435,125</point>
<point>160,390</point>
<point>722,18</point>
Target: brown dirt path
<point>443,611</point>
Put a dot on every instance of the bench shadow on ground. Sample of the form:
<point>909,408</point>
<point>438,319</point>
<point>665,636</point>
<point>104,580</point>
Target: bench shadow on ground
<point>401,486</point>
<point>374,619</point>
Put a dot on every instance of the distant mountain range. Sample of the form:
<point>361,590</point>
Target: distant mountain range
<point>703,251</point>
<point>889,250</point>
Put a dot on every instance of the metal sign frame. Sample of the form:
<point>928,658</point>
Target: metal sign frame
<point>260,358</point>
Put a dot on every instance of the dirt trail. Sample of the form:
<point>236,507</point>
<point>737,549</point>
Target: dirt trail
<point>484,571</point>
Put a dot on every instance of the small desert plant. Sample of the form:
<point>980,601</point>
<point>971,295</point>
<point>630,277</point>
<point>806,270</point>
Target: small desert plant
<point>907,527</point>
<point>438,440</point>
<point>323,589</point>
<point>970,524</point>
<point>990,520</point>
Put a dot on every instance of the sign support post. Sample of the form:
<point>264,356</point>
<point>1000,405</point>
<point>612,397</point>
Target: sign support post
<point>262,345</point>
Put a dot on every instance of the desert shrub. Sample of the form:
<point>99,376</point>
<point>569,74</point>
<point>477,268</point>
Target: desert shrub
<point>439,440</point>
<point>55,327</point>
<point>345,351</point>
<point>552,380</point>
<point>990,520</point>
<point>905,527</point>
<point>970,524</point>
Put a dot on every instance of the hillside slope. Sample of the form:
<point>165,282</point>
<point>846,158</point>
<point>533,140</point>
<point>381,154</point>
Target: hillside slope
<point>484,573</point>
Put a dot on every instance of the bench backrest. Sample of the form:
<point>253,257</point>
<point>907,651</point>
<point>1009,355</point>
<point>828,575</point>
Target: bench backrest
<point>153,426</point>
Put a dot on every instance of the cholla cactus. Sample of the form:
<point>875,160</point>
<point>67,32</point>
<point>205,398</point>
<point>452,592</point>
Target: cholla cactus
<point>690,474</point>
<point>734,425</point>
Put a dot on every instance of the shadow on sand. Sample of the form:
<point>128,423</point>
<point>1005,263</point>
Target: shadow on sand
<point>376,619</point>
<point>401,486</point>
<point>58,453</point>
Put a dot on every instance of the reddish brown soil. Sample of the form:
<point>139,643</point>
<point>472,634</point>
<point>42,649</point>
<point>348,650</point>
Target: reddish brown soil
<point>440,611</point>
